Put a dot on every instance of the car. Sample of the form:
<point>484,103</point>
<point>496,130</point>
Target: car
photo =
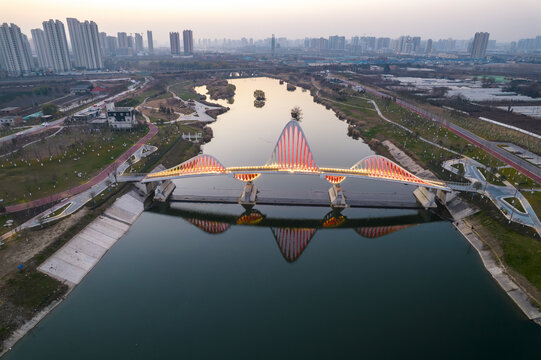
<point>44,124</point>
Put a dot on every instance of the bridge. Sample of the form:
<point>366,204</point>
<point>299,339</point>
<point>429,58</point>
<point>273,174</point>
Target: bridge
<point>292,156</point>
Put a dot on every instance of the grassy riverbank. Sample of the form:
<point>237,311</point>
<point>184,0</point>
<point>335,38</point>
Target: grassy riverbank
<point>519,249</point>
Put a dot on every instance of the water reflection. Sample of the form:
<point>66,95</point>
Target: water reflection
<point>292,235</point>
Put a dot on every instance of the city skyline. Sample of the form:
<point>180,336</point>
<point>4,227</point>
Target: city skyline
<point>304,19</point>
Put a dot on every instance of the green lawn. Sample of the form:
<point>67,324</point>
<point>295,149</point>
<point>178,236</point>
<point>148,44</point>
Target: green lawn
<point>534,200</point>
<point>523,253</point>
<point>514,202</point>
<point>24,178</point>
<point>183,90</point>
<point>515,177</point>
<point>491,178</point>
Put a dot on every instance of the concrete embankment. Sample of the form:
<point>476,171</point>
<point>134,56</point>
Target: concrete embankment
<point>498,273</point>
<point>76,258</point>
<point>71,263</point>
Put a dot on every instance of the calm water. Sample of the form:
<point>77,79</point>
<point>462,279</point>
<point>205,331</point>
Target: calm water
<point>195,282</point>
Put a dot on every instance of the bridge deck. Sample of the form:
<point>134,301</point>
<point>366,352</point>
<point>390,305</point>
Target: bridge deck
<point>317,198</point>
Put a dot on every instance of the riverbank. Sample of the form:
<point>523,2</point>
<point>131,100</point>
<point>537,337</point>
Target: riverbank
<point>78,256</point>
<point>458,207</point>
<point>498,272</point>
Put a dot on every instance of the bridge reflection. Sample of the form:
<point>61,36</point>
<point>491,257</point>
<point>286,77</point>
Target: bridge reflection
<point>293,235</point>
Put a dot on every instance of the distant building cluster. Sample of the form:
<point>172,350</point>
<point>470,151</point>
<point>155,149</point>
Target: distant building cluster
<point>187,41</point>
<point>49,51</point>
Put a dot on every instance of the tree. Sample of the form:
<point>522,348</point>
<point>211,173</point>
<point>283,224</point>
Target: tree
<point>49,109</point>
<point>296,113</point>
<point>259,95</point>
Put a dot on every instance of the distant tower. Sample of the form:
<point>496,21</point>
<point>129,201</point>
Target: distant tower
<point>174,40</point>
<point>14,51</point>
<point>187,37</point>
<point>273,44</point>
<point>429,46</point>
<point>85,43</point>
<point>150,42</point>
<point>57,45</point>
<point>479,45</point>
<point>138,43</point>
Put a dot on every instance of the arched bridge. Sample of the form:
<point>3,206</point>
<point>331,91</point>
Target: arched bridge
<point>292,155</point>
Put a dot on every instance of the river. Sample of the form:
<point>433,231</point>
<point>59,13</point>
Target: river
<point>213,282</point>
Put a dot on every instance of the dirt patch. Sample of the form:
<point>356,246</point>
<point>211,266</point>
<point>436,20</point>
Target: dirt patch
<point>20,248</point>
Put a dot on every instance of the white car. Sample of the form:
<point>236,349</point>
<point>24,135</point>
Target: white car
<point>44,124</point>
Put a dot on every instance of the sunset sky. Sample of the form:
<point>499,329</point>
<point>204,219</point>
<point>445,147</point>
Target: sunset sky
<point>505,20</point>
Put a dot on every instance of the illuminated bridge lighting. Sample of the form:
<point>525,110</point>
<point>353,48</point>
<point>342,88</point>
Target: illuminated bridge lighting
<point>210,226</point>
<point>378,231</point>
<point>292,155</point>
<point>292,241</point>
<point>292,151</point>
<point>335,179</point>
<point>246,177</point>
<point>252,218</point>
<point>200,164</point>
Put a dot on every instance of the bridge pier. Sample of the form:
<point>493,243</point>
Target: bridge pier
<point>425,197</point>
<point>249,196</point>
<point>337,198</point>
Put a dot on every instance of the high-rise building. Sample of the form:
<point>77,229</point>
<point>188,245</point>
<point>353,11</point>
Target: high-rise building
<point>337,42</point>
<point>383,43</point>
<point>122,40</point>
<point>42,49</point>
<point>429,46</point>
<point>273,44</point>
<point>150,42</point>
<point>15,56</point>
<point>479,45</point>
<point>103,42</point>
<point>174,40</point>
<point>416,40</point>
<point>187,37</point>
<point>57,45</point>
<point>112,46</point>
<point>138,43</point>
<point>85,44</point>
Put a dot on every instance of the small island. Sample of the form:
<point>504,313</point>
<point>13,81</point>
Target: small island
<point>259,101</point>
<point>221,89</point>
<point>296,113</point>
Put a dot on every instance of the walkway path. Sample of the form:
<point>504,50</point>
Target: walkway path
<point>200,113</point>
<point>497,194</point>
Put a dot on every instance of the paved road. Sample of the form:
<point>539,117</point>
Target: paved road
<point>96,179</point>
<point>528,169</point>
<point>33,130</point>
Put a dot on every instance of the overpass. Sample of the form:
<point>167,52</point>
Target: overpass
<point>292,156</point>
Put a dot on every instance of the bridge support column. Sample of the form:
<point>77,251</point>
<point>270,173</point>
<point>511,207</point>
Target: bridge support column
<point>425,197</point>
<point>249,196</point>
<point>337,198</point>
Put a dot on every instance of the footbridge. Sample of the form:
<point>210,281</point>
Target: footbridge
<point>292,156</point>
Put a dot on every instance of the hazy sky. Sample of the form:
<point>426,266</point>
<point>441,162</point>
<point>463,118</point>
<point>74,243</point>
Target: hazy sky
<point>505,20</point>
